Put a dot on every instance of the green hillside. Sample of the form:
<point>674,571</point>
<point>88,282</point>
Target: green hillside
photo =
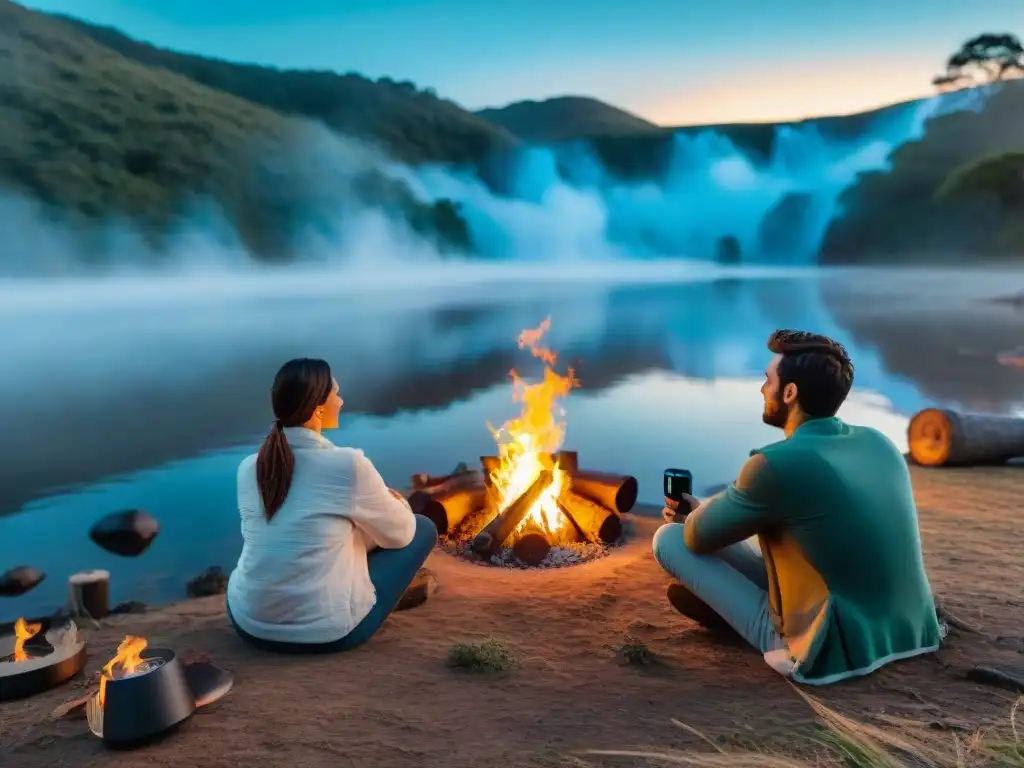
<point>414,126</point>
<point>927,206</point>
<point>93,135</point>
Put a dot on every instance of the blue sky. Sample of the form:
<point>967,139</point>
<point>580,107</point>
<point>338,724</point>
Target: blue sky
<point>672,61</point>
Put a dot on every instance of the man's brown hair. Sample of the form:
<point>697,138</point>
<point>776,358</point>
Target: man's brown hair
<point>818,365</point>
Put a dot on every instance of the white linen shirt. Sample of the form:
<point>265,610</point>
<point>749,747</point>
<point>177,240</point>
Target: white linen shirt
<point>302,577</point>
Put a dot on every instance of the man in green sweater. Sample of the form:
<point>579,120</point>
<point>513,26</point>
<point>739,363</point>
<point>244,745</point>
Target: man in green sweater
<point>838,588</point>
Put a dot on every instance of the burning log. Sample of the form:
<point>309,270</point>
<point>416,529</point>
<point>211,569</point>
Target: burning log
<point>20,580</point>
<point>127,533</point>
<point>491,464</point>
<point>89,594</point>
<point>616,492</point>
<point>450,503</point>
<point>942,438</point>
<point>568,461</point>
<point>496,532</point>
<point>597,523</point>
<point>532,546</point>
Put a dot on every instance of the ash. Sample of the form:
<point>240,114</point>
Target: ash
<point>561,556</point>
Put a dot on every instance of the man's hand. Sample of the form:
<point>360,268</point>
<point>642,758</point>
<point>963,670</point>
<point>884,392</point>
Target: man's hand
<point>676,511</point>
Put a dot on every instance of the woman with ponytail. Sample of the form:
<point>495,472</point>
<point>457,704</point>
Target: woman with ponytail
<point>328,549</point>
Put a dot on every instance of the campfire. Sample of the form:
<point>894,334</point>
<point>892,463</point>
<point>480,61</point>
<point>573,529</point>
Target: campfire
<point>127,662</point>
<point>23,632</point>
<point>145,692</point>
<point>532,496</point>
<point>33,660</point>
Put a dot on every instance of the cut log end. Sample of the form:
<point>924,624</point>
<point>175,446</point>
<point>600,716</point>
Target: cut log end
<point>930,437</point>
<point>532,547</point>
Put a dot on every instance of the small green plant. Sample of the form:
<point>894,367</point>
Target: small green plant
<point>490,655</point>
<point>634,653</point>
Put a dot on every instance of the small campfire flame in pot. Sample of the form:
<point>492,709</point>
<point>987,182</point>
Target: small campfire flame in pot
<point>124,663</point>
<point>527,442</point>
<point>23,632</point>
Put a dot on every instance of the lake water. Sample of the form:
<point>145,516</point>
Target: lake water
<point>147,393</point>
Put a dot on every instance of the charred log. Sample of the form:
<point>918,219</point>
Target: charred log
<point>532,546</point>
<point>496,532</point>
<point>597,523</point>
<point>615,492</point>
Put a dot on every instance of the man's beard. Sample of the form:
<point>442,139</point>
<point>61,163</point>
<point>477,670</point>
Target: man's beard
<point>776,412</point>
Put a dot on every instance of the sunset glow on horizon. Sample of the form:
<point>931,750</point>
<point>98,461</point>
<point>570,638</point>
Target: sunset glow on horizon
<point>670,62</point>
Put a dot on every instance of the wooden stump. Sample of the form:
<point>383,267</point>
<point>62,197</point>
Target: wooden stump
<point>944,438</point>
<point>89,594</point>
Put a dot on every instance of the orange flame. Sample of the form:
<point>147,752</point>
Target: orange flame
<point>23,631</point>
<point>531,438</point>
<point>127,659</point>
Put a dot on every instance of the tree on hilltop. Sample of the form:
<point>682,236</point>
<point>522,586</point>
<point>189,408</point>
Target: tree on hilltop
<point>987,58</point>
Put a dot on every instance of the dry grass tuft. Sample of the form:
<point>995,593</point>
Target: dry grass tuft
<point>490,655</point>
<point>843,741</point>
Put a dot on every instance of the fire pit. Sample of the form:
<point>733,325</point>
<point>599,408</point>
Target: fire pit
<point>530,505</point>
<point>33,661</point>
<point>145,693</point>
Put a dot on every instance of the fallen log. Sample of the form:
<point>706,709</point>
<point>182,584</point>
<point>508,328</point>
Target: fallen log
<point>447,507</point>
<point>597,523</point>
<point>944,438</point>
<point>532,545</point>
<point>615,492</point>
<point>496,532</point>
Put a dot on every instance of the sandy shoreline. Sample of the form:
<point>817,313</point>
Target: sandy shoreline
<point>395,702</point>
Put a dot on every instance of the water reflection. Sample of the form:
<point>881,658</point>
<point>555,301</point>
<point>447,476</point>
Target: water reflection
<point>166,385</point>
<point>638,426</point>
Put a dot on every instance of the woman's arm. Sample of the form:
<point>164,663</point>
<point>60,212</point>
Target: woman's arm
<point>382,515</point>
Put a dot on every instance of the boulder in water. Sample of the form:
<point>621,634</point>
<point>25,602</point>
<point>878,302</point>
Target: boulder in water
<point>212,581</point>
<point>728,251</point>
<point>128,533</point>
<point>20,580</point>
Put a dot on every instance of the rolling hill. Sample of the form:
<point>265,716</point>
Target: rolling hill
<point>566,118</point>
<point>411,125</point>
<point>94,136</point>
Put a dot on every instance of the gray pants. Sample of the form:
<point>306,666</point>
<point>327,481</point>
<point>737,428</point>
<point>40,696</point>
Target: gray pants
<point>733,582</point>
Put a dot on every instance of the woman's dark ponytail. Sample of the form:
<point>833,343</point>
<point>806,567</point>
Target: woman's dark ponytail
<point>274,466</point>
<point>299,387</point>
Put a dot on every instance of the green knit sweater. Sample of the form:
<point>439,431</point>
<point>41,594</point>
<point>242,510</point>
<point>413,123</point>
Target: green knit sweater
<point>834,512</point>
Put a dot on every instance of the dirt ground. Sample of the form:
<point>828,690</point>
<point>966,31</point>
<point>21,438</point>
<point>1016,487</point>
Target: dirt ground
<point>395,702</point>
